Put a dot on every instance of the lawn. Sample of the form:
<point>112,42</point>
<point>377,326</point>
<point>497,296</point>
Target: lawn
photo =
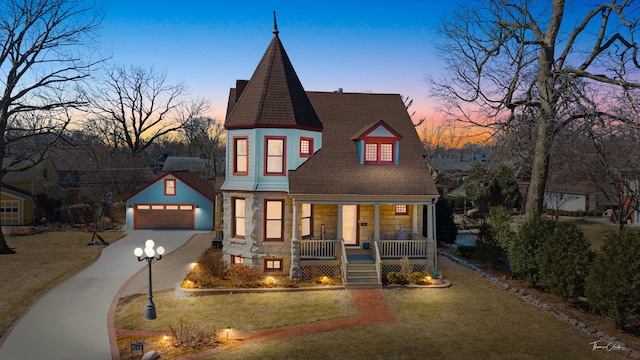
<point>473,319</point>
<point>35,267</point>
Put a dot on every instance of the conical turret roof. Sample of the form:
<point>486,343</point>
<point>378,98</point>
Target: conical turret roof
<point>274,96</point>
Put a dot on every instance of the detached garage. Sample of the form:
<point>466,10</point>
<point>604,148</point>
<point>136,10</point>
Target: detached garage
<point>175,200</point>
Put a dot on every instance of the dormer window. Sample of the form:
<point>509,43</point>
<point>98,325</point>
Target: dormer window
<point>378,153</point>
<point>377,144</point>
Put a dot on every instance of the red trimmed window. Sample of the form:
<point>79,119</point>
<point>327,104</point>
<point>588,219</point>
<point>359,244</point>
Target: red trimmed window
<point>402,210</point>
<point>307,220</point>
<point>237,260</point>
<point>274,156</point>
<point>240,156</point>
<point>306,147</point>
<point>379,152</point>
<point>238,225</point>
<point>273,220</point>
<point>272,265</point>
<point>169,187</point>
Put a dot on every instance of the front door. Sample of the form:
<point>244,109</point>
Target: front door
<point>350,225</point>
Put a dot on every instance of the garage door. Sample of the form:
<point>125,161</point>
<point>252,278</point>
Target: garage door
<point>10,212</point>
<point>164,216</point>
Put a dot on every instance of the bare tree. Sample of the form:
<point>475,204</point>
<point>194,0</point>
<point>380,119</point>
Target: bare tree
<point>206,138</point>
<point>135,106</point>
<point>43,62</point>
<point>440,135</point>
<point>513,60</point>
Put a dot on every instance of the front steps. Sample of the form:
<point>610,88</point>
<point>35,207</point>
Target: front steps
<point>361,269</point>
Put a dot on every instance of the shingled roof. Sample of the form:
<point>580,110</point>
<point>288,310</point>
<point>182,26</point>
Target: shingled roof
<point>274,97</point>
<point>335,169</point>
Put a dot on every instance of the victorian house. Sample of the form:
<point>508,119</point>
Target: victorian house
<point>323,182</point>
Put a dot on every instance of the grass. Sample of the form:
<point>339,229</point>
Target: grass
<point>248,310</point>
<point>594,232</point>
<point>470,320</point>
<point>36,268</point>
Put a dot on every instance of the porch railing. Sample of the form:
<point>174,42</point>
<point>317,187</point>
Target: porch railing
<point>344,262</point>
<point>376,248</point>
<point>402,248</point>
<point>317,249</point>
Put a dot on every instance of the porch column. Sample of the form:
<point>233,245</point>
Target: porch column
<point>376,222</point>
<point>430,222</point>
<point>414,219</point>
<point>294,270</point>
<point>294,221</point>
<point>339,229</point>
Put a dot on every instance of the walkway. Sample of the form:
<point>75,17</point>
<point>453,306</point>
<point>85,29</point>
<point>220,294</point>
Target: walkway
<point>70,322</point>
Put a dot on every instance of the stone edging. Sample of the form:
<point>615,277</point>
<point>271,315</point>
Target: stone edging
<point>226,291</point>
<point>604,338</point>
<point>446,284</point>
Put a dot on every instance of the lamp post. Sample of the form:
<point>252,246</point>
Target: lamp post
<point>150,256</point>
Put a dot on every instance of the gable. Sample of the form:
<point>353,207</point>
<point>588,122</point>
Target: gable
<point>336,167</point>
<point>155,188</point>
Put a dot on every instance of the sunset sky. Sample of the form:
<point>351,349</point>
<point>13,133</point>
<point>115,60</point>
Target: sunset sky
<point>359,46</point>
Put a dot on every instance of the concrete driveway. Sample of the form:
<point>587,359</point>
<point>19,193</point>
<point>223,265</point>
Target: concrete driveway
<point>70,322</point>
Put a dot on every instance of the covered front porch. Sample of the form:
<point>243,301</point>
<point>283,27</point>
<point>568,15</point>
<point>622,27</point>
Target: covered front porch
<point>361,241</point>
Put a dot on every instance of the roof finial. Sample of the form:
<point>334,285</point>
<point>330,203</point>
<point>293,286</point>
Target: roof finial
<point>275,24</point>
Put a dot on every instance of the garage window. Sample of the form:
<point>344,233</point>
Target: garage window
<point>170,187</point>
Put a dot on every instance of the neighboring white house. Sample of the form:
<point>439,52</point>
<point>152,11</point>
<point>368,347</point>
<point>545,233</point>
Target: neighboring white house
<point>577,196</point>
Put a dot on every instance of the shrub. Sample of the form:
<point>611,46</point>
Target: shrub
<point>395,277</point>
<point>525,247</point>
<point>614,279</point>
<point>564,261</point>
<point>209,270</point>
<point>416,278</point>
<point>466,251</point>
<point>405,267</point>
<point>245,276</point>
<point>211,262</point>
<point>187,334</point>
